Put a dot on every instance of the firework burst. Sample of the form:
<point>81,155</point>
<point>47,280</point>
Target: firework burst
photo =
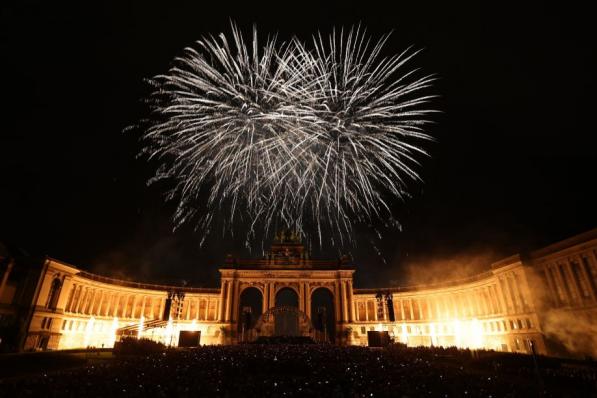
<point>312,136</point>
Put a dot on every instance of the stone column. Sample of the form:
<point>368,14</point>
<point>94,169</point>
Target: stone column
<point>106,310</point>
<point>308,299</point>
<point>457,306</point>
<point>82,298</point>
<point>134,306</point>
<point>469,306</point>
<point>97,308</point>
<point>225,301</point>
<point>94,299</point>
<point>476,297</point>
<point>375,311</point>
<point>351,304</point>
<point>551,287</point>
<point>106,303</point>
<point>338,302</point>
<point>44,291</point>
<point>301,296</point>
<point>344,307</point>
<point>573,287</point>
<point>484,303</point>
<point>513,289</point>
<point>520,281</point>
<point>430,310</point>
<point>229,301</point>
<point>502,296</point>
<point>98,303</point>
<point>561,284</point>
<point>71,298</point>
<point>121,310</point>
<point>114,306</point>
<point>151,307</point>
<point>421,315</point>
<point>186,309</point>
<point>75,302</point>
<point>495,299</point>
<point>142,313</point>
<point>235,300</point>
<point>272,294</point>
<point>444,306</point>
<point>162,307</point>
<point>586,277</point>
<point>65,292</point>
<point>85,301</point>
<point>220,307</point>
<point>265,295</point>
<point>91,301</point>
<point>412,310</point>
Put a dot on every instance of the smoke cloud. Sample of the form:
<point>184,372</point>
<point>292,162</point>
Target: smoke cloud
<point>436,270</point>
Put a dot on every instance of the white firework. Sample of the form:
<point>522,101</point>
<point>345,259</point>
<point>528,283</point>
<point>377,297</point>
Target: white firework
<point>309,137</point>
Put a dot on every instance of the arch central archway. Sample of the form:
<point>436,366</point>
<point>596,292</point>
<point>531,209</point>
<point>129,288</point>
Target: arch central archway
<point>249,310</point>
<point>266,325</point>
<point>286,322</point>
<point>287,297</point>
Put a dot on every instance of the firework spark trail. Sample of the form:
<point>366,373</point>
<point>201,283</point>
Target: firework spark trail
<point>317,135</point>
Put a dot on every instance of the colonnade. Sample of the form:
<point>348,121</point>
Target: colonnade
<point>96,301</point>
<point>571,281</point>
<point>503,294</point>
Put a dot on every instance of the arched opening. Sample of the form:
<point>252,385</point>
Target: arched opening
<point>54,293</point>
<point>286,322</point>
<point>249,310</point>
<point>323,314</point>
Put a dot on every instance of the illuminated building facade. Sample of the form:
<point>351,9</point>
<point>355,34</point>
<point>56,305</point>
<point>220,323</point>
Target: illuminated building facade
<point>548,297</point>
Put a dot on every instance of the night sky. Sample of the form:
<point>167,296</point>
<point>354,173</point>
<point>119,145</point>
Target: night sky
<point>513,167</point>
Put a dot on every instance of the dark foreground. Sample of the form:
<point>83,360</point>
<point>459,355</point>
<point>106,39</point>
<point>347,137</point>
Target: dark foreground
<point>313,371</point>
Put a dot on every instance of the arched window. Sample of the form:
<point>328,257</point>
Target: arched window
<point>54,293</point>
<point>287,297</point>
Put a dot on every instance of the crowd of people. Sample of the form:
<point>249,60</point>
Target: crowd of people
<point>286,370</point>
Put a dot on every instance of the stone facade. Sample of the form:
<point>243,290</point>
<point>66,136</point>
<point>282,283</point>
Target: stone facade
<point>518,301</point>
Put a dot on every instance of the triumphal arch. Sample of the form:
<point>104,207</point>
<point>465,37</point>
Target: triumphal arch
<point>286,293</point>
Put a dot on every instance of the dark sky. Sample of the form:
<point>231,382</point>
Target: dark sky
<point>513,167</point>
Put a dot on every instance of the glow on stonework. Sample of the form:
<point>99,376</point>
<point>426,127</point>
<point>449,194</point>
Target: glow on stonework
<point>468,334</point>
<point>88,332</point>
<point>168,332</point>
<point>404,334</point>
<point>113,330</point>
<point>140,328</point>
<point>432,331</point>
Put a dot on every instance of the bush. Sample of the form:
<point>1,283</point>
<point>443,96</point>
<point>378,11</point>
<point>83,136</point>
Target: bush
<point>133,346</point>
